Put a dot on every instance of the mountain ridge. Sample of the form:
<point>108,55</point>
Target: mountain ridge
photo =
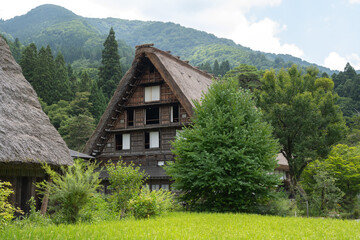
<point>80,37</point>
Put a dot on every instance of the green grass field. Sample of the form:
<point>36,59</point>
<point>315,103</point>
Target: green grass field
<point>196,226</point>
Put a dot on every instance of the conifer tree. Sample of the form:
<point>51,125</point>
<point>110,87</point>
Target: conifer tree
<point>28,61</point>
<point>216,68</point>
<point>98,101</point>
<point>44,74</point>
<point>110,69</point>
<point>85,82</point>
<point>62,83</point>
<point>224,67</point>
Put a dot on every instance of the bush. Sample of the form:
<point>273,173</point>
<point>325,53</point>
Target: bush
<point>125,183</point>
<point>279,205</point>
<point>6,209</point>
<point>151,203</point>
<point>70,190</point>
<point>97,209</point>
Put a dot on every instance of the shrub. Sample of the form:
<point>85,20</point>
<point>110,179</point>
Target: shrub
<point>151,203</point>
<point>6,209</point>
<point>97,209</point>
<point>125,183</point>
<point>70,190</point>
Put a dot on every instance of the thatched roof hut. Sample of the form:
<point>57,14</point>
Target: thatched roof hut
<point>26,133</point>
<point>27,137</point>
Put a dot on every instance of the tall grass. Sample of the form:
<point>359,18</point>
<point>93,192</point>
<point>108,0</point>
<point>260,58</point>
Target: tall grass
<point>195,226</point>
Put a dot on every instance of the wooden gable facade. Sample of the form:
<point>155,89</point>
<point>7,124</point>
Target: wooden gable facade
<point>152,102</point>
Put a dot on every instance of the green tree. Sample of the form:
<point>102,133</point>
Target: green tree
<point>77,130</point>
<point>44,75</point>
<point>16,50</point>
<point>125,183</point>
<point>216,68</point>
<point>322,193</point>
<point>224,67</point>
<point>306,120</point>
<point>98,101</point>
<point>58,112</point>
<point>248,76</point>
<point>28,61</point>
<point>224,159</point>
<point>81,104</point>
<point>85,82</point>
<point>61,82</point>
<point>71,189</point>
<point>110,70</point>
<point>343,165</point>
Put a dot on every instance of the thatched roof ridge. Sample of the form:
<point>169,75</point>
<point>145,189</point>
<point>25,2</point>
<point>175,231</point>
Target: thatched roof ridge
<point>186,82</point>
<point>26,134</point>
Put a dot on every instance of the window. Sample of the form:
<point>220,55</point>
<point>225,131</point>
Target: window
<point>165,186</point>
<point>122,141</point>
<point>174,113</point>
<point>151,140</point>
<point>155,187</point>
<point>130,117</point>
<point>152,115</point>
<point>161,163</point>
<point>152,93</point>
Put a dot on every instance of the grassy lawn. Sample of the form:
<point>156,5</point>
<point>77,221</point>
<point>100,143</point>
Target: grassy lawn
<point>196,226</point>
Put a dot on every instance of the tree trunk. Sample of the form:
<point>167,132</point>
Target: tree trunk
<point>45,200</point>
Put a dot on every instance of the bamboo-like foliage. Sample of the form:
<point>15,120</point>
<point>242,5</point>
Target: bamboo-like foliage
<point>71,189</point>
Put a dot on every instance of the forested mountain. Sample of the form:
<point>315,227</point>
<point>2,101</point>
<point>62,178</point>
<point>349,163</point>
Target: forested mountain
<point>80,38</point>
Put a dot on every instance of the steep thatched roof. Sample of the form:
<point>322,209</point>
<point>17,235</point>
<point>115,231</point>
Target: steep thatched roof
<point>26,134</point>
<point>186,82</point>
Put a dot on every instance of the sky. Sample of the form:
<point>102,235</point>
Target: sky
<point>318,31</point>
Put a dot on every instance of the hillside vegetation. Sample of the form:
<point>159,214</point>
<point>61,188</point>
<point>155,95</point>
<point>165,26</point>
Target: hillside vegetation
<point>81,38</point>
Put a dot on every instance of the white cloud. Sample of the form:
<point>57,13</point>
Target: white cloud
<point>226,18</point>
<point>336,62</point>
<point>261,36</point>
<point>354,1</point>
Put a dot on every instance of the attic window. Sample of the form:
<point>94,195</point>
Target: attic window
<point>152,115</point>
<point>152,93</point>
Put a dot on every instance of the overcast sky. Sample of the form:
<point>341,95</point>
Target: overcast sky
<point>319,31</point>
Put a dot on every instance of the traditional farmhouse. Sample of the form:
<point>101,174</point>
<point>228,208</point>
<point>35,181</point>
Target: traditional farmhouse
<point>151,103</point>
<point>27,138</point>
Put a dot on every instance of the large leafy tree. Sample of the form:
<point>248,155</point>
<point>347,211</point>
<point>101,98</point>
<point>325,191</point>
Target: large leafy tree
<point>224,158</point>
<point>302,110</point>
<point>110,69</point>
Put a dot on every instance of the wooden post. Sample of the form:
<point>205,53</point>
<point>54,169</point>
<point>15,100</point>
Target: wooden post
<point>45,200</point>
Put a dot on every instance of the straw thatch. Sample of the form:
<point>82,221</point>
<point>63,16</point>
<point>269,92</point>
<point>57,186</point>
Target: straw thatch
<point>186,82</point>
<point>26,134</point>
